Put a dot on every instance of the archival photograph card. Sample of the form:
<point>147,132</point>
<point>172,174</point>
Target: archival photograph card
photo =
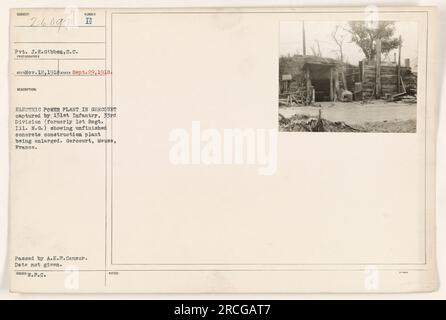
<point>229,150</point>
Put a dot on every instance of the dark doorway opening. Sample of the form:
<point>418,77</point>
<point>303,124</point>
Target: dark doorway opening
<point>322,78</point>
<point>321,89</point>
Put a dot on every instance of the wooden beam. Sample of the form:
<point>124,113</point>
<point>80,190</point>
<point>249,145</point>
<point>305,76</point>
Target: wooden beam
<point>304,45</point>
<point>331,85</point>
<point>336,85</point>
<point>378,70</point>
<point>308,84</point>
<point>362,69</point>
<point>398,85</point>
<point>343,77</point>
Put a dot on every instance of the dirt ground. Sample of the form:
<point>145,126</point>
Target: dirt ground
<point>376,116</point>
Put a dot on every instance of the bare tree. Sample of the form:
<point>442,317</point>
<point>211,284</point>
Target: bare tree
<point>316,52</point>
<point>339,39</point>
<point>318,48</point>
<point>313,51</point>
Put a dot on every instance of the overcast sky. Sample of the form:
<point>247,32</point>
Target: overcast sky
<point>291,40</point>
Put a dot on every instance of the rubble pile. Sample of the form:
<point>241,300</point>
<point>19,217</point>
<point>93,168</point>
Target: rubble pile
<point>304,123</point>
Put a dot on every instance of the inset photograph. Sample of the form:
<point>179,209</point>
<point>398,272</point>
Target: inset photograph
<point>352,76</point>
